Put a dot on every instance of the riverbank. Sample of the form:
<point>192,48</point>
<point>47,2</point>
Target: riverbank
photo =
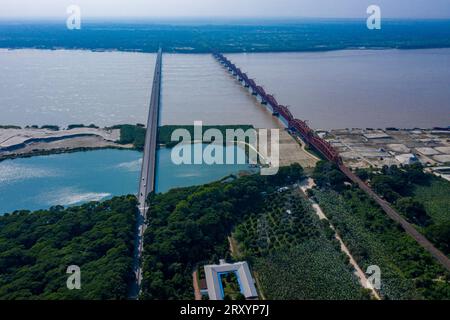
<point>16,142</point>
<point>27,142</point>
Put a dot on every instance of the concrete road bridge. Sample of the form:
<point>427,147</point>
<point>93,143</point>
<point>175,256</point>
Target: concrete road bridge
<point>147,177</point>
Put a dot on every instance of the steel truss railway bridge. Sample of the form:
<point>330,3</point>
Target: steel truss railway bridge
<point>328,152</point>
<point>299,127</point>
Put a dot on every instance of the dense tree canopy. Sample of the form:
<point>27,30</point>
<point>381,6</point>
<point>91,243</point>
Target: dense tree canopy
<point>132,134</point>
<point>413,210</point>
<point>190,225</point>
<point>327,174</point>
<point>440,234</point>
<point>408,271</point>
<point>423,199</point>
<point>37,247</point>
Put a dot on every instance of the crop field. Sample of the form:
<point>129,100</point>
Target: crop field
<point>407,271</point>
<point>294,254</point>
<point>422,198</point>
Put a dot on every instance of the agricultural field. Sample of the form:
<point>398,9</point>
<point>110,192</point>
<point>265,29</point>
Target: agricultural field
<point>294,255</point>
<point>407,271</point>
<point>422,198</point>
<point>435,197</point>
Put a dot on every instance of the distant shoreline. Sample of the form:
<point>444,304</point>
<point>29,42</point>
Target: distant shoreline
<point>40,153</point>
<point>227,36</point>
<point>17,142</point>
<point>184,52</point>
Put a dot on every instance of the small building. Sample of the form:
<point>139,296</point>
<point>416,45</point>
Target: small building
<point>427,151</point>
<point>213,274</point>
<point>378,135</point>
<point>443,172</point>
<point>406,159</point>
<point>399,148</point>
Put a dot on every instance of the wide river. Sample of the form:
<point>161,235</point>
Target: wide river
<point>329,89</point>
<point>338,89</point>
<point>357,88</point>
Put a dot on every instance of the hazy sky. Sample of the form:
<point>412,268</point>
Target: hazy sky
<point>226,8</point>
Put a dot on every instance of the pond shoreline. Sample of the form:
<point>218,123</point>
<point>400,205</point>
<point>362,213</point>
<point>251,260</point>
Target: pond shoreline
<point>61,151</point>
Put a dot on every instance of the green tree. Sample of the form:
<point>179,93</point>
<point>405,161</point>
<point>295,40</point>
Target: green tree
<point>414,211</point>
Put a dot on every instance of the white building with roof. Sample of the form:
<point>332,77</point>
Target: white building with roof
<point>213,274</point>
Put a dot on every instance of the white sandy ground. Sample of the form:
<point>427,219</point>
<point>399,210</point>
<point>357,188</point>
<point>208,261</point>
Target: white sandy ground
<point>292,150</point>
<point>11,137</point>
<point>309,184</point>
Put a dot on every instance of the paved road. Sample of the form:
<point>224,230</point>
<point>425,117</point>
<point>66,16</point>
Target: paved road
<point>147,178</point>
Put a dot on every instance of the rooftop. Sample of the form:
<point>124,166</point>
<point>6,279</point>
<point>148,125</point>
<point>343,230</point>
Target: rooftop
<point>242,270</point>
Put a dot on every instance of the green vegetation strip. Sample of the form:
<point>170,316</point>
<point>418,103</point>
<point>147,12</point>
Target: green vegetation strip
<point>165,132</point>
<point>135,134</point>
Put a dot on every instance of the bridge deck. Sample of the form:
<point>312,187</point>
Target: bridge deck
<point>147,178</point>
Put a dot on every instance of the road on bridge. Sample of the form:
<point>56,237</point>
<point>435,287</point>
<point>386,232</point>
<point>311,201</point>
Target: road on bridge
<point>147,178</point>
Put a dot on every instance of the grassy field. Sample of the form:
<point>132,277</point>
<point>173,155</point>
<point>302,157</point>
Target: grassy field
<point>435,197</point>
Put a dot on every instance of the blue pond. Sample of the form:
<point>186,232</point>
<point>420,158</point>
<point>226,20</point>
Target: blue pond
<point>75,178</point>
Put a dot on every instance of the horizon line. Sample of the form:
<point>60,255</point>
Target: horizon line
<point>200,18</point>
